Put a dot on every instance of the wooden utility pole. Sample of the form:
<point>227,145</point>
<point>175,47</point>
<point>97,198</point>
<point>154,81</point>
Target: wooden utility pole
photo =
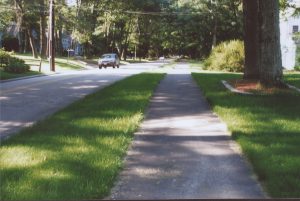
<point>51,37</point>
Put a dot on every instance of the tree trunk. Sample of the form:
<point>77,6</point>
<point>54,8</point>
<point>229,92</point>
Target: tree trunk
<point>58,41</point>
<point>32,42</point>
<point>214,35</point>
<point>25,41</point>
<point>126,44</point>
<point>262,41</point>
<point>21,38</point>
<point>251,36</point>
<point>43,39</point>
<point>270,64</point>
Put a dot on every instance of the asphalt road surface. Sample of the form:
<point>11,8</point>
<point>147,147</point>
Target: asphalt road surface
<point>23,102</point>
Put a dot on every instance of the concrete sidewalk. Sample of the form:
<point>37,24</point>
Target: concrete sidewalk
<point>183,151</point>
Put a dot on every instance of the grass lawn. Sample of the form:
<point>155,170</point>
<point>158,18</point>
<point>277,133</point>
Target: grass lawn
<point>293,78</point>
<point>5,75</point>
<point>60,62</point>
<point>195,63</point>
<point>132,61</point>
<point>78,152</point>
<point>266,127</point>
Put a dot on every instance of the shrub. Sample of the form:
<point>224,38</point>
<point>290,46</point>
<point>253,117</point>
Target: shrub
<point>12,64</point>
<point>16,65</point>
<point>297,68</point>
<point>227,56</point>
<point>4,57</point>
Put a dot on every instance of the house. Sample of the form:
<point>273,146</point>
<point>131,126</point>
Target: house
<point>69,43</point>
<point>289,25</point>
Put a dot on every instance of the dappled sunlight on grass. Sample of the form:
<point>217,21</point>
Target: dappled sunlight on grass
<point>77,152</point>
<point>267,128</point>
<point>20,156</point>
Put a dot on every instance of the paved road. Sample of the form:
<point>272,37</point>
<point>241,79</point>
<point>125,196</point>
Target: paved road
<point>26,101</point>
<point>183,151</point>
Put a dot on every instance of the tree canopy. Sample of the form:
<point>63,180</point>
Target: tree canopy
<point>152,28</point>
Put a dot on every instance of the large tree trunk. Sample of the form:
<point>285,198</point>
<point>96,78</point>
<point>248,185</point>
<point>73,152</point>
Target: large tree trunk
<point>270,64</point>
<point>262,41</point>
<point>251,36</point>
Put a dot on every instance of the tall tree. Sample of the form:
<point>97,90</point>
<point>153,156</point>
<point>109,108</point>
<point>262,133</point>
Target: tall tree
<point>43,24</point>
<point>262,41</point>
<point>26,18</point>
<point>270,64</point>
<point>251,39</point>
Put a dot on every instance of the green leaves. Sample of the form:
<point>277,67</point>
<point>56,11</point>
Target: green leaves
<point>161,27</point>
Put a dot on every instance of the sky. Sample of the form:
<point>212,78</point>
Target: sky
<point>71,2</point>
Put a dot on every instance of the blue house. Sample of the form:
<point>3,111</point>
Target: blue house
<point>69,43</point>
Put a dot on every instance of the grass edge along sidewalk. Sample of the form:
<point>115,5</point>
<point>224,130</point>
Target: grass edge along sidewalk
<point>77,152</point>
<point>266,127</point>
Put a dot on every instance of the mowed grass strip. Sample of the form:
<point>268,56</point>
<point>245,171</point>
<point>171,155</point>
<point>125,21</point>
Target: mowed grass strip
<point>293,78</point>
<point>60,62</point>
<point>266,127</point>
<point>5,75</point>
<point>78,152</point>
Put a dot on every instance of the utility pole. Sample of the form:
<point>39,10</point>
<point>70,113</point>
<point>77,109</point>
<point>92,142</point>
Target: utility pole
<point>51,37</point>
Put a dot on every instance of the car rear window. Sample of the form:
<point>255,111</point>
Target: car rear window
<point>106,56</point>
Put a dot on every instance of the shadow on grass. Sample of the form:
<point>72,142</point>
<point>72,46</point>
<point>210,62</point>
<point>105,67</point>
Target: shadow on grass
<point>267,128</point>
<point>77,152</point>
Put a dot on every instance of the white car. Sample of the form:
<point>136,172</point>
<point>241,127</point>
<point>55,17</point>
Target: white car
<point>109,60</point>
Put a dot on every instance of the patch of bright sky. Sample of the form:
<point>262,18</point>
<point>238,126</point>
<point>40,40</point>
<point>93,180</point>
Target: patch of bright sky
<point>71,2</point>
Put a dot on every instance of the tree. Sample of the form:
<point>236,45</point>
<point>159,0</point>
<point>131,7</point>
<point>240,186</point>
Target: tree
<point>262,41</point>
<point>26,19</point>
<point>251,39</point>
<point>43,24</point>
<point>270,64</point>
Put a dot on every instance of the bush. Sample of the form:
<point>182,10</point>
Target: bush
<point>227,56</point>
<point>12,64</point>
<point>16,65</point>
<point>297,68</point>
<point>4,57</point>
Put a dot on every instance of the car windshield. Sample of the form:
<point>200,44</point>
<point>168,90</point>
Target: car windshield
<point>106,56</point>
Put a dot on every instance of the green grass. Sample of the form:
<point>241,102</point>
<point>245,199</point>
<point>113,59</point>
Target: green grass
<point>292,78</point>
<point>78,152</point>
<point>266,127</point>
<point>297,64</point>
<point>195,63</point>
<point>131,61</point>
<point>60,62</point>
<point>5,75</point>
